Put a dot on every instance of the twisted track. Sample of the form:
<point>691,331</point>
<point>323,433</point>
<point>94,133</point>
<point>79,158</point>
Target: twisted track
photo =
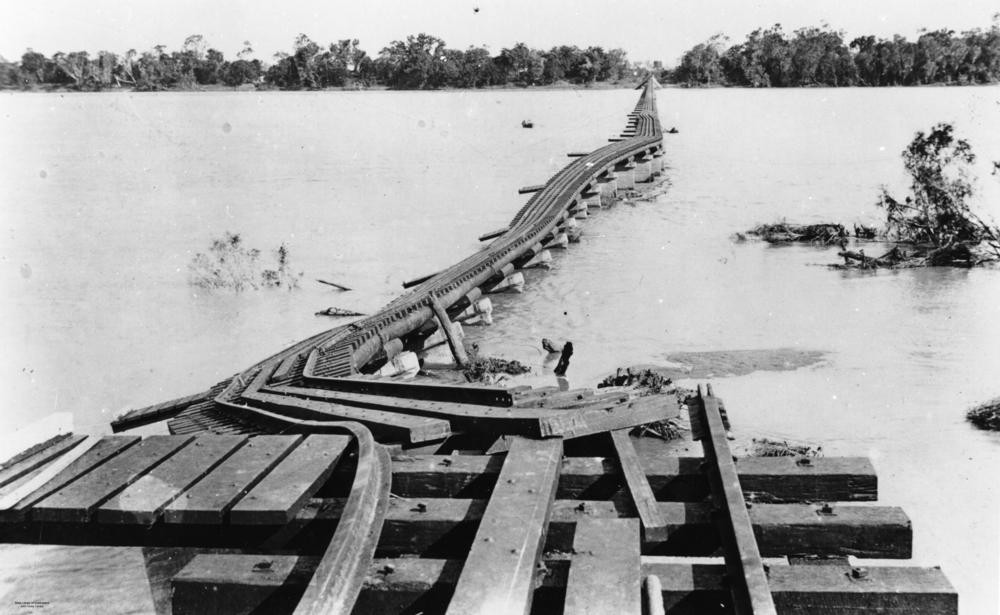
<point>343,351</point>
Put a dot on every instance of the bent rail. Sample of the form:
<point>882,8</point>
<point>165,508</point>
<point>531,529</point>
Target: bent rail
<point>336,354</point>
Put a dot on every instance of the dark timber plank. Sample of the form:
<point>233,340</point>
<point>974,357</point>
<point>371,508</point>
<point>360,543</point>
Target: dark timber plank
<point>530,422</point>
<point>764,479</point>
<point>414,585</point>
<point>144,500</point>
<point>210,499</point>
<point>654,527</point>
<point>105,448</point>
<point>750,591</point>
<point>157,412</point>
<point>480,395</point>
<point>608,416</point>
<point>805,590</point>
<point>493,234</point>
<point>37,458</point>
<point>604,573</point>
<point>236,583</point>
<point>395,426</point>
<point>279,495</point>
<point>499,572</point>
<point>78,500</point>
<point>444,526</point>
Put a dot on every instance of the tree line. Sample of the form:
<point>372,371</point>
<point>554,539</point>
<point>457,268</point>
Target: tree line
<point>822,57</point>
<point>421,61</point>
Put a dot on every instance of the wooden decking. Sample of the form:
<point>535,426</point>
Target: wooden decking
<point>306,523</point>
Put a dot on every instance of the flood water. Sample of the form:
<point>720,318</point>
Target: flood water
<point>105,198</point>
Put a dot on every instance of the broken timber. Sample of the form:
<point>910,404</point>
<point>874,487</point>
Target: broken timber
<point>530,514</point>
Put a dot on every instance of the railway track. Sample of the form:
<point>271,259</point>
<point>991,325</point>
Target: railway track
<point>331,360</point>
<point>301,486</point>
<point>320,519</point>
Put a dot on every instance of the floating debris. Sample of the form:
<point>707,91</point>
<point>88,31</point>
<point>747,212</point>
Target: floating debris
<point>986,415</point>
<point>772,448</point>
<point>336,311</point>
<point>485,369</point>
<point>646,379</point>
<point>333,284</point>
<point>785,232</point>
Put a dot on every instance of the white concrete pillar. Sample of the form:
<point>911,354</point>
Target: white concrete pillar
<point>609,189</point>
<point>625,176</point>
<point>643,169</point>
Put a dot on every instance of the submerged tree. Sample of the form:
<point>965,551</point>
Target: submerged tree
<point>936,213</point>
<point>230,264</point>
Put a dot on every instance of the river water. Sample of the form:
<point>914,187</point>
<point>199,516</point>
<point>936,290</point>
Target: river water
<point>105,198</point>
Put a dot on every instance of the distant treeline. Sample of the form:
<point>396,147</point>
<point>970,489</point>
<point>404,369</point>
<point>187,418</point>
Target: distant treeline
<point>420,62</point>
<point>821,57</point>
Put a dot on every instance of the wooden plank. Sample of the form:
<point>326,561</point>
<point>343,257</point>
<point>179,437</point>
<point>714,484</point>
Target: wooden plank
<point>209,500</point>
<point>499,572</point>
<point>77,501</point>
<point>413,585</point>
<point>493,234</point>
<point>388,425</point>
<point>479,395</point>
<point>278,496</point>
<point>143,501</point>
<point>610,416</point>
<point>764,479</point>
<point>237,583</point>
<point>532,422</point>
<point>654,527</point>
<point>604,572</point>
<point>52,449</point>
<point>17,491</point>
<point>420,280</point>
<point>803,590</point>
<point>530,189</point>
<point>749,586</point>
<point>148,415</point>
<point>443,527</point>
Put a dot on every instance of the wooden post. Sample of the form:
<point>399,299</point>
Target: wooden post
<point>457,349</point>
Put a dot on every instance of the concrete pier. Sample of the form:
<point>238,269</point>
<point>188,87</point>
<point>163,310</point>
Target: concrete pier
<point>625,175</point>
<point>609,188</point>
<point>643,169</point>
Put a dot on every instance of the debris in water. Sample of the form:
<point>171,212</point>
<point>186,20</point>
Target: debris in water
<point>336,311</point>
<point>648,380</point>
<point>986,415</point>
<point>785,232</point>
<point>485,369</point>
<point>773,448</point>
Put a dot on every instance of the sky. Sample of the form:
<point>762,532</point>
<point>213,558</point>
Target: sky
<point>646,29</point>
